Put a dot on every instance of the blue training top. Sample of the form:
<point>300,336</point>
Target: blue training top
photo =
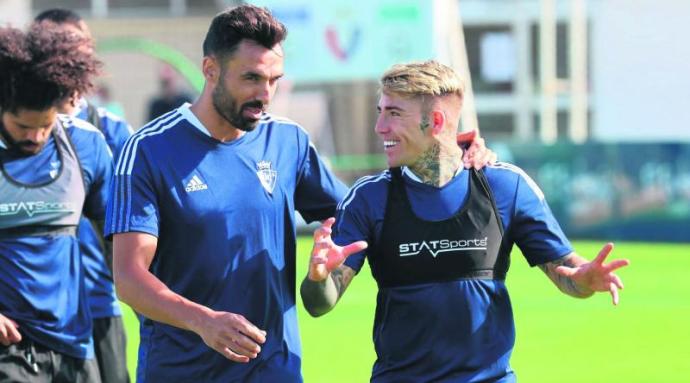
<point>482,324</point>
<point>41,276</point>
<point>223,213</point>
<point>99,280</point>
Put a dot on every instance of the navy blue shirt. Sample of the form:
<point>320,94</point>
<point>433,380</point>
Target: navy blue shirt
<point>41,277</point>
<point>98,278</point>
<point>223,213</point>
<point>479,349</point>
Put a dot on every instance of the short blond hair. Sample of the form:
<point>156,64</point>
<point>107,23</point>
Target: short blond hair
<point>423,78</point>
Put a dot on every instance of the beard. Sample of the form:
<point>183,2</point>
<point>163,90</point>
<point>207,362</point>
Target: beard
<point>23,148</point>
<point>226,106</point>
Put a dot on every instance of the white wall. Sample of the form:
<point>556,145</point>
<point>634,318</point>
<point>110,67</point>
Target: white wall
<point>15,12</point>
<point>641,70</point>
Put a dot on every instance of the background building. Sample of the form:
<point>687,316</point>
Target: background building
<point>603,81</point>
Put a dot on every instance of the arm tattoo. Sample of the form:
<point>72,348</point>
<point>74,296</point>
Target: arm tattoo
<point>564,283</point>
<point>342,276</point>
<point>320,297</point>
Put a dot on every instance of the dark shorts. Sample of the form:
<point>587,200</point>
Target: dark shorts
<point>30,362</point>
<point>111,349</point>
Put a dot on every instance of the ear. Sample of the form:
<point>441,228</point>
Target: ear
<point>210,69</point>
<point>438,121</point>
<point>74,99</point>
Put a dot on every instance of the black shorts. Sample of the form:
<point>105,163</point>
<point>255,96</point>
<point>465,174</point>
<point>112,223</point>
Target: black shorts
<point>30,362</point>
<point>111,349</point>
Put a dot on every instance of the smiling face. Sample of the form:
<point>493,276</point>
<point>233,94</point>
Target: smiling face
<point>246,84</point>
<point>404,127</point>
<point>28,130</point>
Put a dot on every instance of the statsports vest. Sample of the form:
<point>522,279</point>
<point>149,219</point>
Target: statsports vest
<point>49,208</point>
<point>415,251</point>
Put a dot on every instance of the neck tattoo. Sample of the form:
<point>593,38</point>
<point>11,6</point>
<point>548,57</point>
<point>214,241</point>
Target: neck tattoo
<point>436,167</point>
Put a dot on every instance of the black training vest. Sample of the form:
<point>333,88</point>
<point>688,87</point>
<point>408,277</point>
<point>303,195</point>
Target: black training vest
<point>465,246</point>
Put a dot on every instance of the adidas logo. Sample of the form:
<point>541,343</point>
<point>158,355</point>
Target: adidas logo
<point>195,184</point>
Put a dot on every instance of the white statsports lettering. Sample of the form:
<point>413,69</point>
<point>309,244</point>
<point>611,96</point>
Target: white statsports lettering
<point>442,246</point>
<point>34,207</point>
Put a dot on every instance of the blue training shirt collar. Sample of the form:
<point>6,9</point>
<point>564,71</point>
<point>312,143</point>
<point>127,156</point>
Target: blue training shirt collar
<point>410,174</point>
<point>191,117</point>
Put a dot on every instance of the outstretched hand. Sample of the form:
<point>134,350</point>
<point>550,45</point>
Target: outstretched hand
<point>597,276</point>
<point>476,155</point>
<point>326,256</point>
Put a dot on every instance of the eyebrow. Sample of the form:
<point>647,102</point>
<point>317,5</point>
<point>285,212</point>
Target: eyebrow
<point>396,108</point>
<point>23,126</point>
<point>253,73</point>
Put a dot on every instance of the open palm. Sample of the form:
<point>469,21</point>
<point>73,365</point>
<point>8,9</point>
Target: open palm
<point>597,276</point>
<point>326,256</point>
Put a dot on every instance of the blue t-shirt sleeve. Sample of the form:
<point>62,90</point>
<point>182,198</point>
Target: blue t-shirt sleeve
<point>132,203</point>
<point>116,131</point>
<point>533,227</point>
<point>318,190</point>
<point>360,217</point>
<point>98,169</point>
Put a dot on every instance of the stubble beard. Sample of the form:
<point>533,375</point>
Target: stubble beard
<point>226,107</point>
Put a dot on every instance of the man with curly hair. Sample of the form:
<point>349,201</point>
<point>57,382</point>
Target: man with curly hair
<point>108,328</point>
<point>54,168</point>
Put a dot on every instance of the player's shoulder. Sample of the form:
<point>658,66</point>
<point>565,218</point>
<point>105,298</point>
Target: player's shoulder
<point>281,124</point>
<point>157,133</point>
<point>269,118</point>
<point>506,177</point>
<point>105,114</point>
<point>78,125</point>
<point>504,172</point>
<point>87,140</point>
<point>163,126</point>
<point>372,187</point>
<point>81,132</point>
<point>111,118</point>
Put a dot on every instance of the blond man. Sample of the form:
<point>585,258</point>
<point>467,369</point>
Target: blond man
<point>438,239</point>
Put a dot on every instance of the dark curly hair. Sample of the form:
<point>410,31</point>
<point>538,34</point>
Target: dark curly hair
<point>233,25</point>
<point>59,16</point>
<point>41,67</point>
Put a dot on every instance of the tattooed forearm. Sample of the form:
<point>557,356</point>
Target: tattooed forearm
<point>320,297</point>
<point>564,283</point>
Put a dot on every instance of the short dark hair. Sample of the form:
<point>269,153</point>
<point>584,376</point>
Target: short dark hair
<point>248,22</point>
<point>41,67</point>
<point>59,16</point>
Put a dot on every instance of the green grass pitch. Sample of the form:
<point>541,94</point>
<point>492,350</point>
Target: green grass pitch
<point>646,339</point>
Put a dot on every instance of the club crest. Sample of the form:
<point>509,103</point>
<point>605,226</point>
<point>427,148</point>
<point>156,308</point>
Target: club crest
<point>267,175</point>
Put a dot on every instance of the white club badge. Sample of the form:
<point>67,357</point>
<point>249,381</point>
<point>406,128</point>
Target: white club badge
<point>267,175</point>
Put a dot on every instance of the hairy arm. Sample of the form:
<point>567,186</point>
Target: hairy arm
<point>319,297</point>
<point>230,334</point>
<point>567,284</point>
<point>144,292</point>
